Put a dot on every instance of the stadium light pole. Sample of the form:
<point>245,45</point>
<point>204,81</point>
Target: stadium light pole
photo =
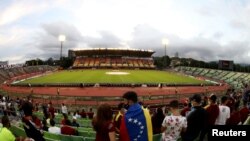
<point>165,42</point>
<point>61,38</point>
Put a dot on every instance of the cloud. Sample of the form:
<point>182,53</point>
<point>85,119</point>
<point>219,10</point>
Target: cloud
<point>47,42</point>
<point>143,37</point>
<point>105,40</point>
<point>207,30</point>
<point>19,9</point>
<point>207,49</point>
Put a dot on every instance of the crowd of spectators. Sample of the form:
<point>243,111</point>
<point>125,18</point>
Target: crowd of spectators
<point>132,121</point>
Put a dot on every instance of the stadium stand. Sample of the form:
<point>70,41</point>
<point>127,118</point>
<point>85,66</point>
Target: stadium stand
<point>113,58</point>
<point>10,73</point>
<point>235,79</point>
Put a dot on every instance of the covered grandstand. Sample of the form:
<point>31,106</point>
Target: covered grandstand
<point>112,58</point>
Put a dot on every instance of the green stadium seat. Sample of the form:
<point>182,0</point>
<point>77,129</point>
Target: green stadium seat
<point>84,129</point>
<point>247,122</point>
<point>89,139</point>
<point>157,137</point>
<point>83,133</point>
<point>92,134</point>
<point>17,131</point>
<point>48,139</point>
<point>71,138</point>
<point>52,136</point>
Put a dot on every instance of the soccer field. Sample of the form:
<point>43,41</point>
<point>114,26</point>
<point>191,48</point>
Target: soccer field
<point>114,76</point>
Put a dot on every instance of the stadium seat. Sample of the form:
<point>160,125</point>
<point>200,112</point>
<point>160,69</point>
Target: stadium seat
<point>247,122</point>
<point>83,133</point>
<point>157,137</point>
<point>48,139</point>
<point>17,131</point>
<point>52,136</point>
<point>92,134</point>
<point>71,138</point>
<point>89,139</point>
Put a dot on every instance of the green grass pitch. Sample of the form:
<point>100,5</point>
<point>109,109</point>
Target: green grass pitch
<point>100,76</point>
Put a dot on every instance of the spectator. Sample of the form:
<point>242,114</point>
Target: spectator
<point>90,113</point>
<point>196,119</point>
<point>235,117</point>
<point>118,117</point>
<point>64,109</point>
<point>212,114</point>
<point>83,114</point>
<point>45,111</point>
<point>246,93</point>
<point>53,129</point>
<point>74,123</point>
<point>103,125</point>
<point>45,125</point>
<point>136,123</point>
<point>28,123</point>
<point>204,101</point>
<point>65,117</point>
<point>36,107</point>
<point>224,112</point>
<point>76,114</point>
<point>5,133</point>
<point>157,120</point>
<point>48,119</point>
<point>230,103</point>
<point>51,110</point>
<point>173,125</point>
<point>244,112</point>
<point>67,130</point>
<point>212,110</point>
<point>186,109</point>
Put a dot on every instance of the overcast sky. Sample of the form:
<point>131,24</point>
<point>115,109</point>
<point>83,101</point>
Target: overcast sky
<point>201,29</point>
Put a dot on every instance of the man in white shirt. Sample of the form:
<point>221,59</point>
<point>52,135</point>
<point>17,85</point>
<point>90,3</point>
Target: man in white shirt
<point>64,109</point>
<point>53,128</point>
<point>224,113</point>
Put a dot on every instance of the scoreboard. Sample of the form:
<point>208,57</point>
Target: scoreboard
<point>226,64</point>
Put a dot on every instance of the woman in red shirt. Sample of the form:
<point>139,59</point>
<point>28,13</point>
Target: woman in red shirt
<point>103,125</point>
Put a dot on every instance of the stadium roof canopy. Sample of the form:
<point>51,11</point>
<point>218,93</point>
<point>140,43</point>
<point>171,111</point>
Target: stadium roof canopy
<point>112,52</point>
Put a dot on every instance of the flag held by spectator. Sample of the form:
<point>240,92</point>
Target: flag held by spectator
<point>136,125</point>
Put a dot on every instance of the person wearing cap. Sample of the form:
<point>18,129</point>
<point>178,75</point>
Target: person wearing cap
<point>196,119</point>
<point>74,123</point>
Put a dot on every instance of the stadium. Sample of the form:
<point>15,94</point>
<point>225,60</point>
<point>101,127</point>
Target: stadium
<point>105,74</point>
<point>124,70</point>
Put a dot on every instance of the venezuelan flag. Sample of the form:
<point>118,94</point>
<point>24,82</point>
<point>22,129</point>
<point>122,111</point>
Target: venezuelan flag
<point>136,125</point>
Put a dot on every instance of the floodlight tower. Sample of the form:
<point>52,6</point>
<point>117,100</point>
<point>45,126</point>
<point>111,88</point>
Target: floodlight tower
<point>61,38</point>
<point>165,42</point>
